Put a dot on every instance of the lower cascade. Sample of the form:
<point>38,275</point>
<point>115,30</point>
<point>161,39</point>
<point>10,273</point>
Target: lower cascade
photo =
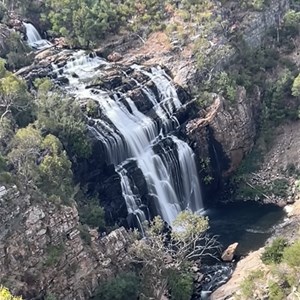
<point>34,39</point>
<point>129,136</point>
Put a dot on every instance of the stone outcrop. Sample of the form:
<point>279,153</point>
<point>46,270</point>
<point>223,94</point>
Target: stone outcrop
<point>233,126</point>
<point>42,252</point>
<point>251,263</point>
<point>229,253</point>
<point>257,23</point>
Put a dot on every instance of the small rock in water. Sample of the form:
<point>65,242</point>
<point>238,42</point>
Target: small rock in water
<point>228,254</point>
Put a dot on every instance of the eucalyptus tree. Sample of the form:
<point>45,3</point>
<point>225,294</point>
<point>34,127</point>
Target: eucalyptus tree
<point>162,255</point>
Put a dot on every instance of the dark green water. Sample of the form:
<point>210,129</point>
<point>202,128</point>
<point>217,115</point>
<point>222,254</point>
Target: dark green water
<point>248,223</point>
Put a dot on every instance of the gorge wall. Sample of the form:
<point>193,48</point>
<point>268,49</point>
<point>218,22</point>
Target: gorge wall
<point>42,252</point>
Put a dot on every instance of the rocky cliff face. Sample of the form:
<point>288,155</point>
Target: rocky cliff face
<point>255,25</point>
<point>232,125</point>
<point>42,252</point>
<point>229,133</point>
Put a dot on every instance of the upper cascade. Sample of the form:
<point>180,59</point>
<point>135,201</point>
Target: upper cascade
<point>34,39</point>
<point>130,136</point>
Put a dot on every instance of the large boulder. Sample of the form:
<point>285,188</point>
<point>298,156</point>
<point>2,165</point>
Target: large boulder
<point>229,253</point>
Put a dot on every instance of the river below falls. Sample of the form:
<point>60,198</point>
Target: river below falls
<point>248,223</point>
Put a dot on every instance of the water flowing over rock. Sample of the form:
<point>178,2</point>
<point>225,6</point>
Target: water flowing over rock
<point>34,39</point>
<point>129,131</point>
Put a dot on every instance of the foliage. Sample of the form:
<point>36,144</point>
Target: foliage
<point>85,234</point>
<point>248,284</point>
<point>296,87</point>
<point>291,23</point>
<point>50,297</point>
<point>55,175</point>
<point>189,225</point>
<point>3,11</point>
<point>187,242</point>
<point>61,116</point>
<point>6,133</point>
<point>54,254</point>
<point>42,162</point>
<point>275,291</point>
<point>6,295</point>
<point>15,99</point>
<point>225,86</point>
<point>25,152</point>
<point>291,255</point>
<point>180,285</point>
<point>92,214</point>
<point>274,252</point>
<point>82,21</point>
<point>123,287</point>
<point>280,187</point>
<point>17,53</point>
<point>276,109</point>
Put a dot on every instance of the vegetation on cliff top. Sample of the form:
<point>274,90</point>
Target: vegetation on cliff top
<point>280,279</point>
<point>42,135</point>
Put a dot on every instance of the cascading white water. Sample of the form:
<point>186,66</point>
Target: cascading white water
<point>130,134</point>
<point>131,199</point>
<point>34,39</point>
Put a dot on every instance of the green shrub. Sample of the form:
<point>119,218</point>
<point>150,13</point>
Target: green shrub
<point>275,291</point>
<point>54,254</point>
<point>50,297</point>
<point>84,234</point>
<point>181,286</point>
<point>291,255</point>
<point>248,284</point>
<point>92,214</point>
<point>274,253</point>
<point>123,287</point>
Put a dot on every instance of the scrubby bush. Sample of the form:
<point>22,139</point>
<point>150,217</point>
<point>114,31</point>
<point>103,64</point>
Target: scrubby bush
<point>123,287</point>
<point>84,234</point>
<point>92,214</point>
<point>248,284</point>
<point>274,252</point>
<point>54,254</point>
<point>275,291</point>
<point>180,285</point>
<point>291,255</point>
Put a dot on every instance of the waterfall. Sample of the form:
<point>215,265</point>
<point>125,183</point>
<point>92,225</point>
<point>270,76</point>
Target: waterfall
<point>34,39</point>
<point>128,134</point>
<point>132,201</point>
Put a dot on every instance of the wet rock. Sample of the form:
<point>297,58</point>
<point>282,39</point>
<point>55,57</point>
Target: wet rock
<point>141,101</point>
<point>114,57</point>
<point>229,253</point>
<point>62,80</point>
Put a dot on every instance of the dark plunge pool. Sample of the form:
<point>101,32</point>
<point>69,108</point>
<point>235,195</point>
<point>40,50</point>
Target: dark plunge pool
<point>248,223</point>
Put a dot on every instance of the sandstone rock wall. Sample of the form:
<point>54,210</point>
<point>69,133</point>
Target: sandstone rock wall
<point>256,24</point>
<point>233,126</point>
<point>42,252</point>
